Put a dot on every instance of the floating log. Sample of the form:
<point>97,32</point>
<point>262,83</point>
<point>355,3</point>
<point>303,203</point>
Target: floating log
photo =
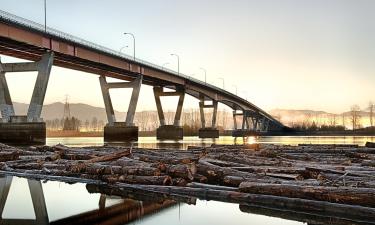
<point>345,195</point>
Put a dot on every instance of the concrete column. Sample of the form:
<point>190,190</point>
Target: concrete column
<point>214,114</point>
<point>133,101</point>
<point>44,69</point>
<point>39,202</point>
<point>177,117</point>
<point>6,104</point>
<point>157,93</point>
<point>267,125</point>
<point>5,183</point>
<point>243,120</point>
<point>234,120</point>
<point>107,101</point>
<point>201,110</point>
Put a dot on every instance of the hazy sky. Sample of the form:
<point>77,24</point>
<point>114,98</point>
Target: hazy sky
<point>296,54</point>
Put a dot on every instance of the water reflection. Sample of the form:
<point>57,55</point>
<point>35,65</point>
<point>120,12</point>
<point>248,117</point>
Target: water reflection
<point>152,142</point>
<point>60,203</point>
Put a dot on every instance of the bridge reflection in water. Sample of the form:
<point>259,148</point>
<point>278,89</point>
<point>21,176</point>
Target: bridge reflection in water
<point>123,211</point>
<point>122,206</point>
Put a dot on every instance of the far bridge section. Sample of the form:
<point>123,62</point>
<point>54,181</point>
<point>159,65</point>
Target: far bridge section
<point>28,40</point>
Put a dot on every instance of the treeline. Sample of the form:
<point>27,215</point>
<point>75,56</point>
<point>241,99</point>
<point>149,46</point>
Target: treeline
<point>146,121</point>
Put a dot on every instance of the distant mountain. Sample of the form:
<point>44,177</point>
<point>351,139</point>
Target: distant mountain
<point>56,110</point>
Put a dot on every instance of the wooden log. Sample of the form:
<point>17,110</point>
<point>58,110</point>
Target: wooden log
<point>9,156</point>
<point>186,171</point>
<point>355,196</point>
<point>210,186</point>
<point>304,216</point>
<point>165,159</point>
<point>132,179</point>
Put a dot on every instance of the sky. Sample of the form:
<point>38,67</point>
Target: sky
<point>290,54</point>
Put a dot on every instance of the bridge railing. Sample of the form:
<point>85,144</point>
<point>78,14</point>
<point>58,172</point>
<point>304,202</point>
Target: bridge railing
<point>53,32</point>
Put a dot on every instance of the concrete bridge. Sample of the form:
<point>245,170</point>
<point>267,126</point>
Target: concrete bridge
<point>28,40</point>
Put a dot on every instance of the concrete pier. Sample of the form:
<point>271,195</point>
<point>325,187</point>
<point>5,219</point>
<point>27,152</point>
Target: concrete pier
<point>120,132</point>
<point>208,133</point>
<point>28,129</point>
<point>244,133</point>
<point>19,131</point>
<point>169,132</point>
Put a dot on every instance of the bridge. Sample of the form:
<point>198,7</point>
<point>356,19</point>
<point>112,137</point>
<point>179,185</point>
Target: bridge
<point>25,39</point>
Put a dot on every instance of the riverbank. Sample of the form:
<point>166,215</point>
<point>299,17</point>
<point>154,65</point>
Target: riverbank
<point>331,179</point>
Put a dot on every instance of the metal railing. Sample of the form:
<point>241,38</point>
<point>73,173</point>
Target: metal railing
<point>53,32</point>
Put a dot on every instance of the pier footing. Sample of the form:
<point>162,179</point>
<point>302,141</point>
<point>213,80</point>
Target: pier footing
<point>23,133</point>
<point>120,132</point>
<point>169,132</point>
<point>243,133</point>
<point>208,133</point>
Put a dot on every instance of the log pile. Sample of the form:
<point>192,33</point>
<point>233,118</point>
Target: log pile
<point>303,174</point>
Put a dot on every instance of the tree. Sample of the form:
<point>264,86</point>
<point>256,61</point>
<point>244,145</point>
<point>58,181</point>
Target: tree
<point>94,123</point>
<point>87,124</point>
<point>371,107</point>
<point>355,116</point>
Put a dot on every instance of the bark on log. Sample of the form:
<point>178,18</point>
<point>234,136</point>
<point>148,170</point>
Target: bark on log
<point>355,196</point>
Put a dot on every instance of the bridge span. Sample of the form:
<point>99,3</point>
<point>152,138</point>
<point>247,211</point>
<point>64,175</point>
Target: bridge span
<point>25,39</point>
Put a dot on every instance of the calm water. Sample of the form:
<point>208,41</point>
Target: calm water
<point>35,202</point>
<point>151,142</point>
<point>63,201</point>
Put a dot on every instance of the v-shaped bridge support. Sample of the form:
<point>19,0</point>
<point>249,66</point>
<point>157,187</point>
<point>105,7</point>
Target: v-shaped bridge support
<point>175,131</point>
<point>37,197</point>
<point>28,128</point>
<point>120,131</point>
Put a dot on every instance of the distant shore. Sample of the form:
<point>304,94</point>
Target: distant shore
<point>61,133</point>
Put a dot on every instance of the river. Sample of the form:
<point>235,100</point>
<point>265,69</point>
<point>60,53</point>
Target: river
<point>35,202</point>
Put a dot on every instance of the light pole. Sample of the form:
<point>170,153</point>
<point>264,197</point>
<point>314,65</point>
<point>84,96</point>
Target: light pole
<point>235,86</point>
<point>178,63</point>
<point>45,16</point>
<point>220,78</point>
<point>123,48</point>
<point>205,74</point>
<point>133,43</point>
<point>162,67</point>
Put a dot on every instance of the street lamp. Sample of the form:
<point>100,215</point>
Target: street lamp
<point>220,78</point>
<point>133,43</point>
<point>235,86</point>
<point>162,67</point>
<point>205,74</point>
<point>45,16</point>
<point>178,63</point>
<point>123,48</point>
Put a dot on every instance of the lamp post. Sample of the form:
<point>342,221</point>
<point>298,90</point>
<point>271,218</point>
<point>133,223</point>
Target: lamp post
<point>45,16</point>
<point>205,74</point>
<point>133,43</point>
<point>123,48</point>
<point>178,63</point>
<point>220,78</point>
<point>162,67</point>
